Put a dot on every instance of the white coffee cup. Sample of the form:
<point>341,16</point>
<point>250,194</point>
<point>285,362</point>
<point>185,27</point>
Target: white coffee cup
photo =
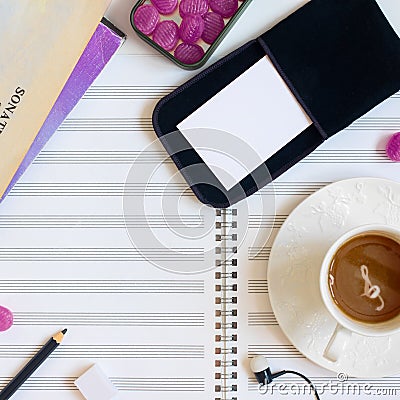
<point>346,326</point>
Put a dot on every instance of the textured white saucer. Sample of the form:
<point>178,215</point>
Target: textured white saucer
<point>294,265</point>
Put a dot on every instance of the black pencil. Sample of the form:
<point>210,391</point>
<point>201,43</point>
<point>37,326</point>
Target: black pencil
<point>32,365</point>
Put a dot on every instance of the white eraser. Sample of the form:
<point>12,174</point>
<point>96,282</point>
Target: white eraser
<point>94,385</point>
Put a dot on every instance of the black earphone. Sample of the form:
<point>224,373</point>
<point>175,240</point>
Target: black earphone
<point>260,367</point>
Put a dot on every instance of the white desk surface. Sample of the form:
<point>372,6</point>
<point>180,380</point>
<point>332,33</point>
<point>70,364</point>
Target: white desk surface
<point>66,259</point>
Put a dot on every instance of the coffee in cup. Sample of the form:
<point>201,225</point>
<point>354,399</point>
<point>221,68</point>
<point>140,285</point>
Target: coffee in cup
<point>360,285</point>
<point>364,278</point>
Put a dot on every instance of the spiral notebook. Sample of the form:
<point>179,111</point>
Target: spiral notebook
<point>67,261</point>
<point>158,332</point>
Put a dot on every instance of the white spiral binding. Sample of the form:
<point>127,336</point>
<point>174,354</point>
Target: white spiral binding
<point>226,311</point>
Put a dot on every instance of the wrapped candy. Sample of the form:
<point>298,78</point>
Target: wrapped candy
<point>146,18</point>
<point>189,53</point>
<point>191,28</point>
<point>166,34</point>
<point>199,7</point>
<point>225,8</point>
<point>165,7</point>
<point>393,147</point>
<point>6,319</point>
<point>213,26</point>
<point>170,23</point>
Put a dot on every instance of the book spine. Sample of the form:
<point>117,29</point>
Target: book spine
<point>226,306</point>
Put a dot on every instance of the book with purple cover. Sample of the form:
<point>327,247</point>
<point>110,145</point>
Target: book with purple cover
<point>102,46</point>
<point>41,42</point>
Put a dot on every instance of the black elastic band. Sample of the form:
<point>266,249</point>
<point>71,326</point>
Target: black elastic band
<point>291,86</point>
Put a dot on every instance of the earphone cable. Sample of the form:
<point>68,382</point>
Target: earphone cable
<point>278,374</point>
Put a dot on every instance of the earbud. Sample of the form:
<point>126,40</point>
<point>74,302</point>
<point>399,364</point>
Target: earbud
<point>262,371</point>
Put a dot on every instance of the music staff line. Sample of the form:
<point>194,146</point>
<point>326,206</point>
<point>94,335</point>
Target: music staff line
<point>125,92</point>
<point>126,157</point>
<point>264,318</point>
<point>101,221</point>
<point>274,351</point>
<point>108,351</point>
<point>100,254</point>
<point>185,384</point>
<point>113,287</point>
<point>144,124</point>
<point>164,319</point>
<point>136,92</point>
<point>261,318</point>
<point>37,286</point>
<point>150,189</point>
<point>168,384</point>
<point>84,221</point>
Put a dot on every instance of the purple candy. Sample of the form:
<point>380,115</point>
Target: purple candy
<point>187,7</point>
<point>191,28</point>
<point>225,8</point>
<point>165,7</point>
<point>146,18</point>
<point>6,319</point>
<point>189,53</point>
<point>166,34</point>
<point>213,26</point>
<point>393,147</point>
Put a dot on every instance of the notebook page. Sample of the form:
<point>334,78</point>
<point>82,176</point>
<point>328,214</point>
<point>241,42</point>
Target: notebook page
<point>359,151</point>
<point>117,308</point>
<point>67,260</point>
<point>99,158</point>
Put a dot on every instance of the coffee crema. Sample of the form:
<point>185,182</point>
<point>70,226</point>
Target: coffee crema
<point>364,278</point>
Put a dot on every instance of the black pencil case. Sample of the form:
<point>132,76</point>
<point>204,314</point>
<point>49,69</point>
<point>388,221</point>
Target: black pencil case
<point>339,58</point>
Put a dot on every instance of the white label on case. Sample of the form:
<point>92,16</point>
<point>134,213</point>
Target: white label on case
<point>259,110</point>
